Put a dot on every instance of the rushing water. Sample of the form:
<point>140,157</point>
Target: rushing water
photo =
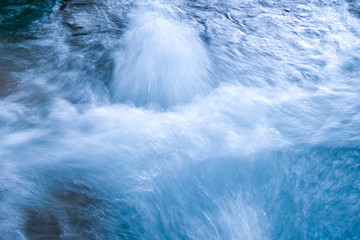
<point>176,119</point>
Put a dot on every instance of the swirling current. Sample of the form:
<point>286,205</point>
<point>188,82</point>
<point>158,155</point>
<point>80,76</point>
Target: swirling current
<point>179,119</point>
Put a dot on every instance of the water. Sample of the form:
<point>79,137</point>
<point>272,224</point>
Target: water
<point>180,120</point>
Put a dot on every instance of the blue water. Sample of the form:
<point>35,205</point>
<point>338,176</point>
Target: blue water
<point>180,119</point>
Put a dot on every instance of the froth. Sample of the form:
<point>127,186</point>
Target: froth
<point>161,61</point>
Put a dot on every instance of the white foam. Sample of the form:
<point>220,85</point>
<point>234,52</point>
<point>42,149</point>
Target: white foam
<point>162,61</point>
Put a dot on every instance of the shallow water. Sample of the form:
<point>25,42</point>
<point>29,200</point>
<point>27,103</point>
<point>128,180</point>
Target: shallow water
<point>180,120</point>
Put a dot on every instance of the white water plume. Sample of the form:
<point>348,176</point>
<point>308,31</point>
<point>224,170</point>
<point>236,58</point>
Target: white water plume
<point>161,61</point>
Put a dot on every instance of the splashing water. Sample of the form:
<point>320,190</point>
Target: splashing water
<point>180,120</point>
<point>162,62</point>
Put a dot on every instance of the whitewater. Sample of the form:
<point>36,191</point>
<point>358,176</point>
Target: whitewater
<point>180,119</point>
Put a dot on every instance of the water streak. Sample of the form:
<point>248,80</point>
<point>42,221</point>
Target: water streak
<point>181,120</point>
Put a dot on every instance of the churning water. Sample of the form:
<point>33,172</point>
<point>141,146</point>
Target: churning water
<point>180,119</point>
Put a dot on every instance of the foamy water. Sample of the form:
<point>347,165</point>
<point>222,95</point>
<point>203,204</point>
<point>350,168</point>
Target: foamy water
<point>182,120</point>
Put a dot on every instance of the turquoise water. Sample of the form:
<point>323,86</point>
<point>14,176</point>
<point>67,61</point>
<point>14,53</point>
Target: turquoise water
<point>179,119</point>
<point>19,14</point>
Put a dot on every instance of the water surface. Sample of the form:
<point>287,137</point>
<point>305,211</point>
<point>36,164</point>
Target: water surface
<point>179,119</point>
